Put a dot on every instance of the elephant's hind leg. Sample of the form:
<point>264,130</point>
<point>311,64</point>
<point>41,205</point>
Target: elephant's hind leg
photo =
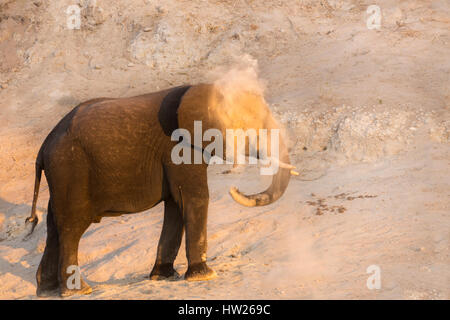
<point>47,274</point>
<point>169,242</point>
<point>71,224</point>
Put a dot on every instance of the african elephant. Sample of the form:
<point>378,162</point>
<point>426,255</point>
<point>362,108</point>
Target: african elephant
<point>109,157</point>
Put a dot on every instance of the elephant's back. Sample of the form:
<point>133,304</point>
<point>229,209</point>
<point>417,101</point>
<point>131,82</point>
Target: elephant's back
<point>61,129</point>
<point>118,142</point>
<point>105,123</point>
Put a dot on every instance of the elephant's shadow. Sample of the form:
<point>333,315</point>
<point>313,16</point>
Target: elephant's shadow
<point>112,281</point>
<point>20,211</point>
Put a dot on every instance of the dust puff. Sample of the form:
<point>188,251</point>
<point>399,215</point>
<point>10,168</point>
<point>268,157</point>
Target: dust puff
<point>241,75</point>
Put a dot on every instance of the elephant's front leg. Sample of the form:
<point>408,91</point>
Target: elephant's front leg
<point>195,212</point>
<point>169,242</point>
<point>189,189</point>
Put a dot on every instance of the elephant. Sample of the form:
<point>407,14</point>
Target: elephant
<point>112,156</point>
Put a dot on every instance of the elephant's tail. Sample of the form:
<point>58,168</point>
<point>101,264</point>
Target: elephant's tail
<point>33,218</point>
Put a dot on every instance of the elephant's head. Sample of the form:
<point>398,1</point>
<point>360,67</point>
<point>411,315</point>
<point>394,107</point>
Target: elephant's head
<point>222,110</point>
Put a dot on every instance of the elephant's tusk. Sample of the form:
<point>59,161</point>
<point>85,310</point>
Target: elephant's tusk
<point>282,164</point>
<point>286,166</point>
<point>274,160</point>
<point>241,199</point>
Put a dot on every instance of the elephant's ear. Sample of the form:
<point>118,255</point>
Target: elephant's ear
<point>168,111</point>
<point>198,104</point>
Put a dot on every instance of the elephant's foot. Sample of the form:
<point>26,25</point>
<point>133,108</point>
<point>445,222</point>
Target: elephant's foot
<point>164,271</point>
<point>48,290</point>
<point>199,272</point>
<point>85,289</point>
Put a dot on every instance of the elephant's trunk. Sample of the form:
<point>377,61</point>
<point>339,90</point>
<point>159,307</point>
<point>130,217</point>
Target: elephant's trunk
<point>280,181</point>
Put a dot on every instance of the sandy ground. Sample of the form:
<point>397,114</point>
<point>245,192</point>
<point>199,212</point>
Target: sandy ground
<point>367,113</point>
